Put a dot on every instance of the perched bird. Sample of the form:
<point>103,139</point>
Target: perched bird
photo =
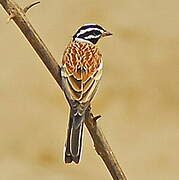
<point>81,72</point>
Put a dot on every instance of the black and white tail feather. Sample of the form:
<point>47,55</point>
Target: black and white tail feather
<point>74,137</point>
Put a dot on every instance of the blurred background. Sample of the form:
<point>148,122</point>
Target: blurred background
<point>138,97</point>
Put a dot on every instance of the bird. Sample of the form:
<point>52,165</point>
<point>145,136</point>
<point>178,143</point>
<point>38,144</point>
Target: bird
<point>81,71</point>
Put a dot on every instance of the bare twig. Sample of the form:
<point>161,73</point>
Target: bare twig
<point>31,5</point>
<point>96,117</point>
<point>101,145</point>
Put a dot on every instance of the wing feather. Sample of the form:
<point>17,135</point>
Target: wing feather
<point>81,71</point>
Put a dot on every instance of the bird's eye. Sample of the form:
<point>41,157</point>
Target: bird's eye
<point>95,33</point>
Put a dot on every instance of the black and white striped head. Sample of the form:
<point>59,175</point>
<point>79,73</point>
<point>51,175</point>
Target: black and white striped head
<point>90,33</point>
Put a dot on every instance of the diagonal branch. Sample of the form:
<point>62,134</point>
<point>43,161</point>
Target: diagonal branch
<point>101,145</point>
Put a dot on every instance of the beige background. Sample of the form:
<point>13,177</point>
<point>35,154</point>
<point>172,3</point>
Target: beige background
<point>138,96</point>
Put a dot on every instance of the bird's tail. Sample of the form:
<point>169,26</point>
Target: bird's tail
<point>74,138</point>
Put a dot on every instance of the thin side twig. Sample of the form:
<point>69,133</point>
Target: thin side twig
<point>31,5</point>
<point>101,145</point>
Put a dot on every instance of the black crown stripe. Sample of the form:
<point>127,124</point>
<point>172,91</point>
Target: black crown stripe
<point>92,32</point>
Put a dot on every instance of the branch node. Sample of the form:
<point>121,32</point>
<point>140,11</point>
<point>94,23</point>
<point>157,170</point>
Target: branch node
<point>30,6</point>
<point>96,118</point>
<point>11,16</point>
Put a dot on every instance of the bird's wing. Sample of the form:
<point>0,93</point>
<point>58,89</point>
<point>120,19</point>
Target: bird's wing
<point>81,72</point>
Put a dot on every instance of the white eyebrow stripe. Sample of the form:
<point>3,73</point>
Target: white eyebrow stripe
<point>92,36</point>
<point>89,29</point>
<point>90,24</point>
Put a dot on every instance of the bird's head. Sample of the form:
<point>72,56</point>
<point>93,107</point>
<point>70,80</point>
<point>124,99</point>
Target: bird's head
<point>90,33</point>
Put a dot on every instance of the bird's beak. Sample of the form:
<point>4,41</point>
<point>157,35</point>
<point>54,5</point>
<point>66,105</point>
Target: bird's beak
<point>106,33</point>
